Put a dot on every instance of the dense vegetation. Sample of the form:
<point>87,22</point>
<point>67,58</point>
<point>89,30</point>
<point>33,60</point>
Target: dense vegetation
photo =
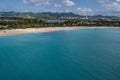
<point>20,22</point>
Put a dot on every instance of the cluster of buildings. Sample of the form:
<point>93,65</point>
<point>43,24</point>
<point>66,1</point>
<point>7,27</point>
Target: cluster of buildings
<point>108,18</point>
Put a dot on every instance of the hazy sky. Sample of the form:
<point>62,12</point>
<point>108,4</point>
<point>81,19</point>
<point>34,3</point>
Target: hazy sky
<point>83,7</point>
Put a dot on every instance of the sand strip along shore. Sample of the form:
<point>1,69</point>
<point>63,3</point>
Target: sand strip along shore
<point>40,30</point>
<point>33,30</point>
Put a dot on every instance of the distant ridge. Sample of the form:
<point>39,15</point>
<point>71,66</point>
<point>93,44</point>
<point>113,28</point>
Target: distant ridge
<point>52,15</point>
<point>38,15</point>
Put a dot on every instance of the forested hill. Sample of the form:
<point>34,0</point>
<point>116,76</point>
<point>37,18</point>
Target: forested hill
<point>38,15</point>
<point>52,15</point>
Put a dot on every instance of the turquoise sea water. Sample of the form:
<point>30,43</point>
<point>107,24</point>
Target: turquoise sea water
<point>87,54</point>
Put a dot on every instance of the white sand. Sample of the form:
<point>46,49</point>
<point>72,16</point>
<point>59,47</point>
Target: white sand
<point>39,30</point>
<point>33,30</point>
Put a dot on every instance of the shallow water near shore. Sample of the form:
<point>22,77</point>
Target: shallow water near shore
<point>84,54</point>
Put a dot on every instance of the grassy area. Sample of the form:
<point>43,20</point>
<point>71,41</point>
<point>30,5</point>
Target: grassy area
<point>16,22</point>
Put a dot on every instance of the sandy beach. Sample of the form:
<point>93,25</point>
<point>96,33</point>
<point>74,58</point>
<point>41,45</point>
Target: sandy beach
<point>40,30</point>
<point>33,30</point>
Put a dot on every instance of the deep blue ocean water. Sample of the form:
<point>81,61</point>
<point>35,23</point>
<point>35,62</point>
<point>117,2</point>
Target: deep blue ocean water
<point>87,54</point>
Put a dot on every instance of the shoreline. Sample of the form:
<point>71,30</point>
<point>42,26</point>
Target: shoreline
<point>43,30</point>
